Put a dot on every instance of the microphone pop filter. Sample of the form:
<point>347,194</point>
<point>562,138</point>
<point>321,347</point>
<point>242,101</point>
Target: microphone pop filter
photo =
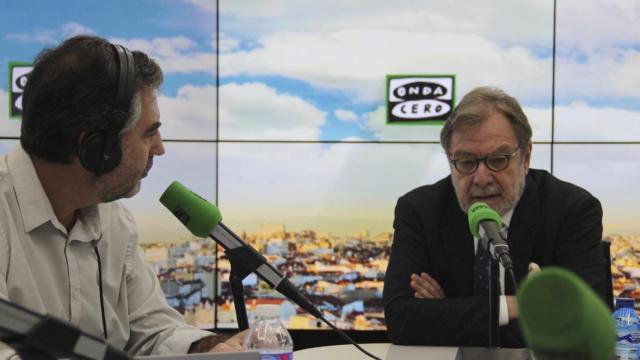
<point>196,213</point>
<point>562,317</point>
<point>479,212</point>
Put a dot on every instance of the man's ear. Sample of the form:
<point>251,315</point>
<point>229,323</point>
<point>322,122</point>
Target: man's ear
<point>526,152</point>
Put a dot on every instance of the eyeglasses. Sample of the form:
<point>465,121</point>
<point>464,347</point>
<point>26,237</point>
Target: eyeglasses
<point>494,162</point>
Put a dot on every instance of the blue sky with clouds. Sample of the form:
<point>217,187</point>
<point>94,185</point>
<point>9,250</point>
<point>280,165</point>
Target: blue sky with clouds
<point>315,70</point>
<point>27,26</point>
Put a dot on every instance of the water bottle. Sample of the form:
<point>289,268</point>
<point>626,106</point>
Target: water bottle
<point>627,329</point>
<point>268,335</point>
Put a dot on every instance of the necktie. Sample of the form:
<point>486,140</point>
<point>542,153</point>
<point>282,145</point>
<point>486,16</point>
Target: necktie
<point>481,270</point>
<point>481,267</point>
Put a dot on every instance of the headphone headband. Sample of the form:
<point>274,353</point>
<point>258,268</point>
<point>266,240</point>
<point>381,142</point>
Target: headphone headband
<point>99,151</point>
<point>126,80</point>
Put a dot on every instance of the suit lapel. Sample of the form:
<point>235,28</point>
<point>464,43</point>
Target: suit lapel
<point>521,236</point>
<point>458,246</point>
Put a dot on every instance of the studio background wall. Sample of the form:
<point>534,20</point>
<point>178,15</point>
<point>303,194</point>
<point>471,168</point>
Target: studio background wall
<point>275,110</point>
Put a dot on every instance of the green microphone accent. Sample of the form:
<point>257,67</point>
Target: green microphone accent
<point>479,212</point>
<point>196,213</point>
<point>562,317</point>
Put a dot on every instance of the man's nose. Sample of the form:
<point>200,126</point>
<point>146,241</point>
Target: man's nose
<point>158,148</point>
<point>483,176</point>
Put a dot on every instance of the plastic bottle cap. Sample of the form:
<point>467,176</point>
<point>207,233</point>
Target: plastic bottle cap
<point>624,302</point>
<point>268,310</point>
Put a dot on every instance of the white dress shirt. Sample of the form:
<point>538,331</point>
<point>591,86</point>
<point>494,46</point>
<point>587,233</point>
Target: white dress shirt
<point>49,270</point>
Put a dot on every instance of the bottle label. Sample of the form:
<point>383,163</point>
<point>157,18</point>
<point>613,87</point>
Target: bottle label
<point>631,338</point>
<point>629,335</point>
<point>626,354</point>
<point>280,356</point>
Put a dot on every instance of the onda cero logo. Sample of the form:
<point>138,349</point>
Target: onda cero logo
<point>18,75</point>
<point>419,98</point>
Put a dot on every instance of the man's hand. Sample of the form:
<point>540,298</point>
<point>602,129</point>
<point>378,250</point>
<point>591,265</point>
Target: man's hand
<point>426,287</point>
<point>512,306</point>
<point>219,343</point>
<point>232,344</point>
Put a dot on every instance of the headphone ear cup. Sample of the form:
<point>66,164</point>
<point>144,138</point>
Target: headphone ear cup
<point>112,155</point>
<point>98,153</point>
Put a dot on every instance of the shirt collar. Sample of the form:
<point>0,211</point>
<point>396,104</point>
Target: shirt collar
<point>35,207</point>
<point>506,218</point>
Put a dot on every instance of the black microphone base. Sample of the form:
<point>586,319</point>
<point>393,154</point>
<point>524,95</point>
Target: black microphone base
<point>480,353</point>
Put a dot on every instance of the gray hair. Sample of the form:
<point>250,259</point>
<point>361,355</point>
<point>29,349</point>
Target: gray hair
<point>479,104</point>
<point>134,113</point>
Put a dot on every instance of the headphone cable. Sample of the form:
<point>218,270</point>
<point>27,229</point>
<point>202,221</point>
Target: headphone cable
<point>104,321</point>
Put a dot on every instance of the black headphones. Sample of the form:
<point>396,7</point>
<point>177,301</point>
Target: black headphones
<point>99,151</point>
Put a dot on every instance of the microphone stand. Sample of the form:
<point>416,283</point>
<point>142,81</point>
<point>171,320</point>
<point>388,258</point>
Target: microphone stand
<point>238,273</point>
<point>493,351</point>
<point>494,302</point>
<point>243,263</point>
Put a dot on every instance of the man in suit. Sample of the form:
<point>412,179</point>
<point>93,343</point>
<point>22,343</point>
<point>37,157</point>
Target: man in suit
<point>432,293</point>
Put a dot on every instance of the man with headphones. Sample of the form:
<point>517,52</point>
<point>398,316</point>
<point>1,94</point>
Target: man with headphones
<point>89,135</point>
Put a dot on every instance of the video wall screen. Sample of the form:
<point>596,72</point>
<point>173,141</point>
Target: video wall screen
<point>277,112</point>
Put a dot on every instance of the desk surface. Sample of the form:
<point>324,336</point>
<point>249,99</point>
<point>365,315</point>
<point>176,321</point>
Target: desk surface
<point>397,352</point>
<point>383,351</point>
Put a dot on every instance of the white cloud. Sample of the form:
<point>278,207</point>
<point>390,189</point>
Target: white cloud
<point>190,63</point>
<point>189,115</point>
<point>376,122</point>
<point>51,37</point>
<point>475,60</point>
<point>255,111</point>
<point>579,121</point>
<point>345,115</point>
<point>599,23</point>
<point>227,44</point>
<point>163,47</point>
<point>603,73</point>
<point>72,29</point>
<point>490,18</point>
<point>205,5</point>
<point>589,25</point>
<point>483,42</point>
<point>177,54</point>
<point>540,121</point>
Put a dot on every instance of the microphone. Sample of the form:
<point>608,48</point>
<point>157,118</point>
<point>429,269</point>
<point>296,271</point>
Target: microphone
<point>203,219</point>
<point>480,214</point>
<point>38,336</point>
<point>561,317</point>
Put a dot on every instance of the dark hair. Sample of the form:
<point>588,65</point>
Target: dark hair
<point>477,105</point>
<point>72,89</point>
